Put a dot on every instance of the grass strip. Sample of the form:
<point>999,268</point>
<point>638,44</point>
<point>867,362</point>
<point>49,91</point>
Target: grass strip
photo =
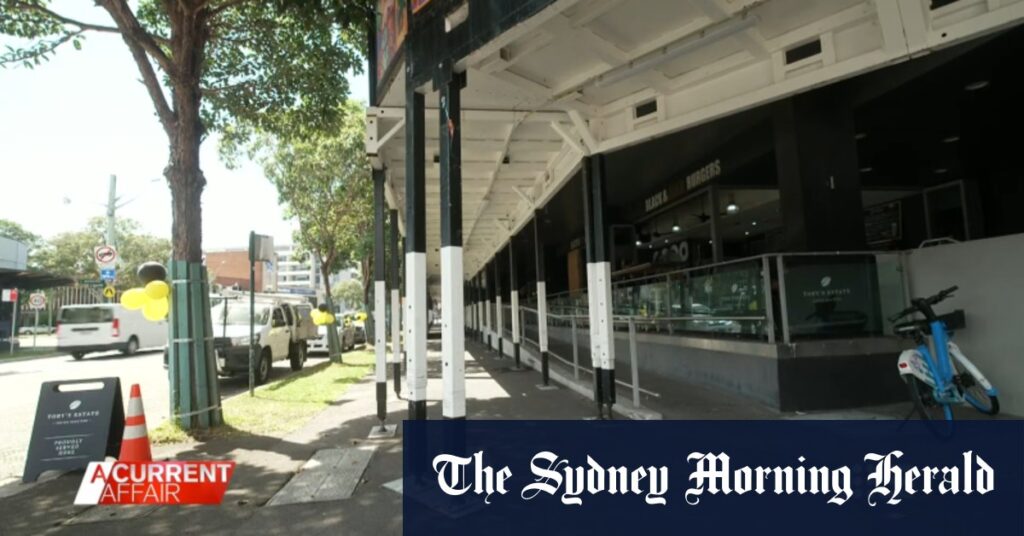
<point>281,406</point>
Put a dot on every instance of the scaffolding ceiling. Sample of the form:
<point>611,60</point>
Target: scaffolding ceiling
<point>588,77</point>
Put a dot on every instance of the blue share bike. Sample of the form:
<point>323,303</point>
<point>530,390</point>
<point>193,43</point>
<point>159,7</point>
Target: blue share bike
<point>938,375</point>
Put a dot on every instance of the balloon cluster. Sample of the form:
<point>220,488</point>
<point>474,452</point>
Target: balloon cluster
<point>152,297</point>
<point>322,316</point>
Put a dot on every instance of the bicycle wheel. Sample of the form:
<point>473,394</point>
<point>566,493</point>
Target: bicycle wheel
<point>976,395</point>
<point>922,395</point>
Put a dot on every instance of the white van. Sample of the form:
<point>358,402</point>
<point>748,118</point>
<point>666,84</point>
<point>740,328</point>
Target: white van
<point>104,327</point>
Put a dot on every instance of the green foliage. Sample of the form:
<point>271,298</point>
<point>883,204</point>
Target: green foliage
<point>323,180</point>
<point>262,61</point>
<point>15,231</point>
<point>71,254</point>
<point>349,295</point>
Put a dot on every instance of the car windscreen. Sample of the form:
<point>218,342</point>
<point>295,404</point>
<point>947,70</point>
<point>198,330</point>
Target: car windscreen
<point>86,315</point>
<point>238,313</point>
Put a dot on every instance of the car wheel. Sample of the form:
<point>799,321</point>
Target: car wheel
<point>263,368</point>
<point>77,355</point>
<point>298,357</point>
<point>133,346</point>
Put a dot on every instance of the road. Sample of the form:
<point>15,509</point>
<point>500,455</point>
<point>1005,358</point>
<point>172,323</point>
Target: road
<point>20,382</point>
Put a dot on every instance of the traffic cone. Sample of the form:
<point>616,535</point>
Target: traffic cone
<point>135,444</point>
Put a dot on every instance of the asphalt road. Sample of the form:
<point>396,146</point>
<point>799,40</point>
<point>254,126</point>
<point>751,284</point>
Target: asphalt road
<point>20,382</point>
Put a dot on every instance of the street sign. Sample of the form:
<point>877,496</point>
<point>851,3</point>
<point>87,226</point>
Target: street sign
<point>9,295</point>
<point>37,300</point>
<point>108,274</point>
<point>75,426</point>
<point>105,256</point>
<point>109,292</point>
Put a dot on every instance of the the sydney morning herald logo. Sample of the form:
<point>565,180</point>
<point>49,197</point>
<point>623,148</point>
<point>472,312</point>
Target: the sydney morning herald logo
<point>889,481</point>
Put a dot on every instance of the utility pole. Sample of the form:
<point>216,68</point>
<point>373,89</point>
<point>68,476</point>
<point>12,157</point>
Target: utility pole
<point>111,208</point>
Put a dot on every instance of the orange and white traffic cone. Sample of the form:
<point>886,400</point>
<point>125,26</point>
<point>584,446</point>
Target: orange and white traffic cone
<point>135,444</point>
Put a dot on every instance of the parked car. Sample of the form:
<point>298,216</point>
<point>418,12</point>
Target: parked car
<point>346,336</point>
<point>38,330</point>
<point>357,320</point>
<point>82,329</point>
<point>283,329</point>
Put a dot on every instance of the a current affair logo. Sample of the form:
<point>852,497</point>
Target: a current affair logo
<point>170,482</point>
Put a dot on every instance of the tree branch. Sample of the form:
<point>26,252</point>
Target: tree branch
<point>129,27</point>
<point>149,78</point>
<point>228,4</point>
<point>29,6</point>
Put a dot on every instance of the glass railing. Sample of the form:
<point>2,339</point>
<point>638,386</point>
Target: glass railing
<point>726,299</point>
<point>770,297</point>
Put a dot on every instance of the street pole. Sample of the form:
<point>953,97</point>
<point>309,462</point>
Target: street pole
<point>35,328</point>
<point>111,207</point>
<point>14,325</point>
<point>252,312</point>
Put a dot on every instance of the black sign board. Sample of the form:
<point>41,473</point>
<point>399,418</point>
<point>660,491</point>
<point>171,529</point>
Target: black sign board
<point>882,223</point>
<point>77,422</point>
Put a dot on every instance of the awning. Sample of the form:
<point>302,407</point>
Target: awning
<point>31,280</point>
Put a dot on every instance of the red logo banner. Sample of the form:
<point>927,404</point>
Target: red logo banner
<point>170,482</point>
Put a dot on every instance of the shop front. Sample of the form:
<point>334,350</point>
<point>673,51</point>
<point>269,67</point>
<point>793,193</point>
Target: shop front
<point>691,191</point>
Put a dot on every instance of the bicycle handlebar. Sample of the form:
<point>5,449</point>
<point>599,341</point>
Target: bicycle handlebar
<point>920,304</point>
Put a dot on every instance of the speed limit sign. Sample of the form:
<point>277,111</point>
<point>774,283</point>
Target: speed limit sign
<point>37,300</point>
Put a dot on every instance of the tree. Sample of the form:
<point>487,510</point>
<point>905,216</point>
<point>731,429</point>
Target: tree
<point>350,293</point>
<point>71,254</point>
<point>15,231</point>
<point>323,180</point>
<point>227,65</point>
<point>232,66</point>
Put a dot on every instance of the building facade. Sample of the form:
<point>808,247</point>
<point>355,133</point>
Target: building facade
<point>732,194</point>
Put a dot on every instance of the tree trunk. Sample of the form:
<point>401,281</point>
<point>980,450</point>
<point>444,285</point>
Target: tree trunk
<point>189,34</point>
<point>367,269</point>
<point>334,346</point>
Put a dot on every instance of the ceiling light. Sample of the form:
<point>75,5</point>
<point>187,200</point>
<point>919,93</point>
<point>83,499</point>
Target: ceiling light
<point>951,139</point>
<point>675,228</point>
<point>941,170</point>
<point>747,233</point>
<point>860,135</point>
<point>976,85</point>
<point>754,223</point>
<point>732,207</point>
<point>666,241</point>
<point>867,169</point>
<point>638,242</point>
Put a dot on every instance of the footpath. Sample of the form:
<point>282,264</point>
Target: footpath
<point>266,464</point>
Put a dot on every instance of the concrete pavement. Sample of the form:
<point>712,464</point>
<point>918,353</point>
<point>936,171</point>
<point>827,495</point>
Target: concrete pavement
<point>265,464</point>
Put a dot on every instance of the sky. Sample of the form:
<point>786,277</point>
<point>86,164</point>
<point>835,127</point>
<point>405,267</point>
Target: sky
<point>70,123</point>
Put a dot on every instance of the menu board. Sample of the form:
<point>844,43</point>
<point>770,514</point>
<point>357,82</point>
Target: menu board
<point>882,223</point>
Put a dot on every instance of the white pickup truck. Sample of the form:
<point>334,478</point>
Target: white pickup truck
<point>283,328</point>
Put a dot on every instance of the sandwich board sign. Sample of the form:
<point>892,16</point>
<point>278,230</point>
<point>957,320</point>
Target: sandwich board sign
<point>77,422</point>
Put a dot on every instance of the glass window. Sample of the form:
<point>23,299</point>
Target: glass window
<point>86,315</point>
<point>832,296</point>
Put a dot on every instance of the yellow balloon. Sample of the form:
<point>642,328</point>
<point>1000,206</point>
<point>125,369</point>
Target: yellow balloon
<point>133,298</point>
<point>155,310</point>
<point>157,289</point>
<point>328,318</point>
